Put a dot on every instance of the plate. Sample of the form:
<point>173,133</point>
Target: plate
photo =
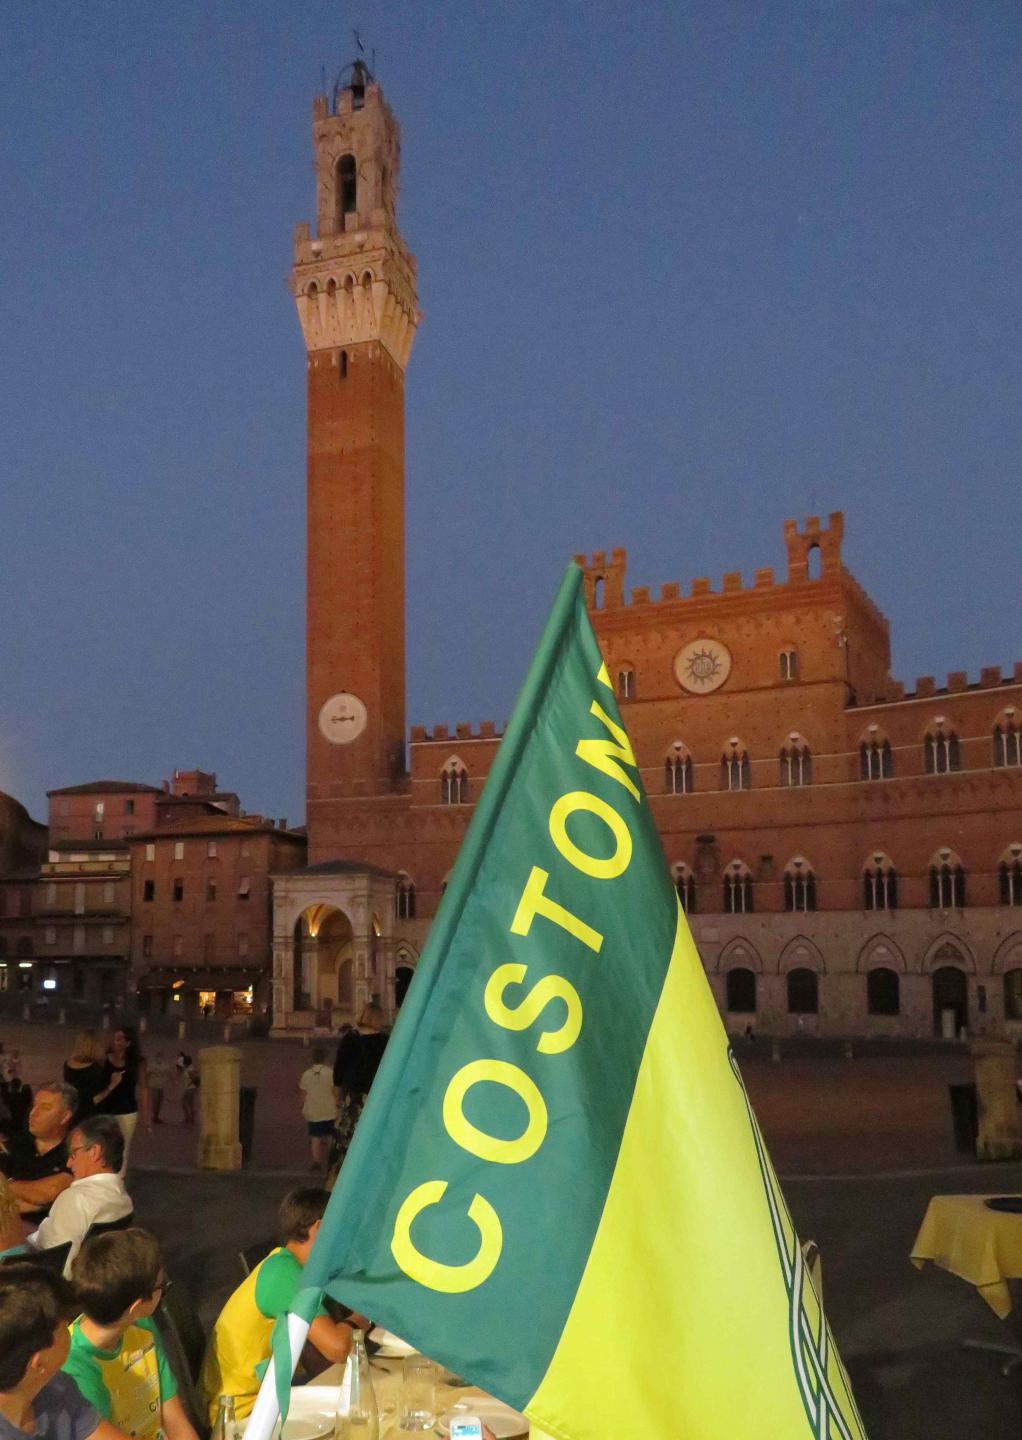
<point>502,1420</point>
<point>390,1346</point>
<point>308,1427</point>
<point>312,1413</point>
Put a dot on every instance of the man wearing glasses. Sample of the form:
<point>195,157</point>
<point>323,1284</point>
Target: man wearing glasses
<point>96,1195</point>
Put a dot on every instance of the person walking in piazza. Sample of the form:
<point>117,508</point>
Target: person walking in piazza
<point>319,1105</point>
<point>159,1075</point>
<point>85,1070</point>
<point>126,1093</point>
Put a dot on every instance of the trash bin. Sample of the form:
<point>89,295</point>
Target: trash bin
<point>246,1120</point>
<point>964,1117</point>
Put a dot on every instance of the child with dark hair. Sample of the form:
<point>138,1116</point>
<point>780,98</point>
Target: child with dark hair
<point>35,1399</point>
<point>116,1357</point>
<point>239,1346</point>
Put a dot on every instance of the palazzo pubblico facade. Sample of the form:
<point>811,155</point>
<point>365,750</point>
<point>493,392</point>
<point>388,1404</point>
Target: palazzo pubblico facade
<point>849,851</point>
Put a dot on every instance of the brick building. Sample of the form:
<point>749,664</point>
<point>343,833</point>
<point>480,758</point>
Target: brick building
<point>110,909</point>
<point>850,853</point>
<point>22,850</point>
<point>200,901</point>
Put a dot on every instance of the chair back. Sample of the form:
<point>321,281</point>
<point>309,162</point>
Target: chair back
<point>184,1340</point>
<point>253,1255</point>
<point>55,1258</point>
<point>105,1226</point>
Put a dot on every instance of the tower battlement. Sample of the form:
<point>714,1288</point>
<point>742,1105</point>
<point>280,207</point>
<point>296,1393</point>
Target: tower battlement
<point>604,577</point>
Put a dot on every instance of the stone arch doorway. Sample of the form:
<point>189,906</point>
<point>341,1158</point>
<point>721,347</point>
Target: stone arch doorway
<point>403,973</point>
<point>324,972</point>
<point>950,999</point>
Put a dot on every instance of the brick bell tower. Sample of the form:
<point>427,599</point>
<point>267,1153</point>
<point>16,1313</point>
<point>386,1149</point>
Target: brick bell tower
<point>354,285</point>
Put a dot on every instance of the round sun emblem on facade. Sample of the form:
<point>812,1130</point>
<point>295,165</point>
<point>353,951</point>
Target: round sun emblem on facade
<point>702,666</point>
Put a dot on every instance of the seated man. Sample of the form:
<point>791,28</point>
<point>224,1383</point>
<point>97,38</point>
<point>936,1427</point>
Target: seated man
<point>117,1359</point>
<point>239,1346</point>
<point>96,1195</point>
<point>35,1160</point>
<point>35,1399</point>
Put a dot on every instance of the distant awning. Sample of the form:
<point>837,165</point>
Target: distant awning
<point>227,978</point>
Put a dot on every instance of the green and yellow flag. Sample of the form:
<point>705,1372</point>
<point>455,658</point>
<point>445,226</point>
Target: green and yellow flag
<point>558,1188</point>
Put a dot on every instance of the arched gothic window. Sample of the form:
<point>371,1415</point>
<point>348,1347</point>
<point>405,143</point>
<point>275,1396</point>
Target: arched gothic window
<point>947,881</point>
<point>404,897</point>
<point>626,683</point>
<point>454,783</point>
<point>1009,875</point>
<point>876,759</point>
<point>1007,740</point>
<point>788,660</point>
<point>678,770</point>
<point>737,889</point>
<point>940,749</point>
<point>685,884</point>
<point>799,885</point>
<point>796,762</point>
<point>883,992</point>
<point>803,992</point>
<point>347,188</point>
<point>735,771</point>
<point>741,992</point>
<point>879,884</point>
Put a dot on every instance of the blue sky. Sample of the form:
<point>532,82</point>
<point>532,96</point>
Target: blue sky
<point>687,269</point>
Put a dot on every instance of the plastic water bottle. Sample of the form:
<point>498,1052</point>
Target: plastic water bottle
<point>361,1419</point>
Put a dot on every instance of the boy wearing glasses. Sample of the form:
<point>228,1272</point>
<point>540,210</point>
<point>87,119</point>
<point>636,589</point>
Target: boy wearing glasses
<point>117,1359</point>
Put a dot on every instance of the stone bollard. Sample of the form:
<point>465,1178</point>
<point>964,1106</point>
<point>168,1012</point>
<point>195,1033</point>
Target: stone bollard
<point>62,1016</point>
<point>180,1029</point>
<point>849,1052</point>
<point>219,1087</point>
<point>143,1024</point>
<point>997,1099</point>
<point>26,1012</point>
<point>775,1050</point>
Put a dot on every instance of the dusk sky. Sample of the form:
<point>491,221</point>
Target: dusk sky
<point>687,269</point>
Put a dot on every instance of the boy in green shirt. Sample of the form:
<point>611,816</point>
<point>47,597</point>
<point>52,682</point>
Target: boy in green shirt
<point>117,1359</point>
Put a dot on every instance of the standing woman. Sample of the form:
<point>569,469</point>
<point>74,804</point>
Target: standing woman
<point>85,1070</point>
<point>126,1093</point>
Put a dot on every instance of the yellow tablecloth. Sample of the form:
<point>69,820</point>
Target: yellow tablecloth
<point>982,1246</point>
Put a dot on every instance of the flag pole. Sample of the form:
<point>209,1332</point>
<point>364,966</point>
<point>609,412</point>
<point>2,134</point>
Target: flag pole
<point>266,1411</point>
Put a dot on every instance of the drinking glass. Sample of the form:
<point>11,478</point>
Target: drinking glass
<point>417,1408</point>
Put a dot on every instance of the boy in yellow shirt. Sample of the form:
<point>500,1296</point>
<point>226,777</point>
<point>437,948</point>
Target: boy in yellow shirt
<point>117,1359</point>
<point>239,1347</point>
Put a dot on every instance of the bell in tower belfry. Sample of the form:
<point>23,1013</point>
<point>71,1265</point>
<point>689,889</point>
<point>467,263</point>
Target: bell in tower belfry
<point>354,285</point>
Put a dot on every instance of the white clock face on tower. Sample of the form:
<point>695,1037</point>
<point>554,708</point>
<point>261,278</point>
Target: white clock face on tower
<point>342,718</point>
<point>702,666</point>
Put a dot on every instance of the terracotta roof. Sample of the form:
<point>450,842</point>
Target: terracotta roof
<point>216,825</point>
<point>108,787</point>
